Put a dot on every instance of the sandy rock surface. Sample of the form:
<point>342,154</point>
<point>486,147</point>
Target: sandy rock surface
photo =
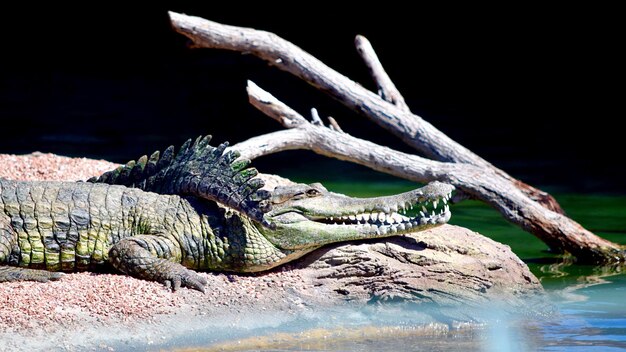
<point>446,266</point>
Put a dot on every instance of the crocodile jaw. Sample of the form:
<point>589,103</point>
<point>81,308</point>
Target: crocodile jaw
<point>299,226</point>
<point>434,212</point>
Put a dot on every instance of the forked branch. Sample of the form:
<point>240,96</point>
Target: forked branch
<point>386,89</point>
<point>410,128</point>
<point>554,229</point>
<point>533,210</point>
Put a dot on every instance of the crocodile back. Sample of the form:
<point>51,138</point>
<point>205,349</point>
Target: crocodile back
<point>69,226</point>
<point>200,170</point>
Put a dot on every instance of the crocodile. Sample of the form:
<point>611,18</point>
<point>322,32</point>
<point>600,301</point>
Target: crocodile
<point>216,217</point>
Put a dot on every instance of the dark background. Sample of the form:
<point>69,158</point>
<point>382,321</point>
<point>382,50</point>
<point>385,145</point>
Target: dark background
<point>537,91</point>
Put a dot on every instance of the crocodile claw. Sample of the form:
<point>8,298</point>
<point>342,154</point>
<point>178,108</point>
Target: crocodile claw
<point>185,278</point>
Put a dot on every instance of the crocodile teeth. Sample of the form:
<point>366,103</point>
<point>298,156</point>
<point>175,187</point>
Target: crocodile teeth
<point>424,209</point>
<point>381,217</point>
<point>359,217</point>
<point>366,216</point>
<point>435,203</point>
<point>445,200</point>
<point>432,214</point>
<point>352,217</point>
<point>374,217</point>
<point>402,218</point>
<point>401,227</point>
<point>422,214</point>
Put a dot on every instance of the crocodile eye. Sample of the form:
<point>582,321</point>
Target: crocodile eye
<point>313,192</point>
<point>298,195</point>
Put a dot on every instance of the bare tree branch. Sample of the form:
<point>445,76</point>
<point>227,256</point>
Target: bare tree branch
<point>386,89</point>
<point>315,117</point>
<point>270,143</point>
<point>522,204</point>
<point>555,229</point>
<point>278,52</point>
<point>334,125</point>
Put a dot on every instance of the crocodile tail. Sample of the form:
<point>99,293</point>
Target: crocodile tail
<point>197,169</point>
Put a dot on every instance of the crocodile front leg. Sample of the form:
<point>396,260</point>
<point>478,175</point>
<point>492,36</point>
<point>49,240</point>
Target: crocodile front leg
<point>154,258</point>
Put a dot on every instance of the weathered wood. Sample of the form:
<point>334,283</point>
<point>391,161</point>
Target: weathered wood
<point>554,229</point>
<point>334,125</point>
<point>410,128</point>
<point>386,89</point>
<point>530,208</point>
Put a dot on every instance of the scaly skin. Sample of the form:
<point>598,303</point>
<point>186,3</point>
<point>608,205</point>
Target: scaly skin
<point>200,170</point>
<point>62,226</point>
<point>308,216</point>
<point>58,226</point>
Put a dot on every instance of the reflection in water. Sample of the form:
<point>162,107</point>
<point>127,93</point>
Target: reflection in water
<point>557,269</point>
<point>592,311</point>
<point>571,292</point>
<point>384,327</point>
<point>369,338</point>
<point>596,323</point>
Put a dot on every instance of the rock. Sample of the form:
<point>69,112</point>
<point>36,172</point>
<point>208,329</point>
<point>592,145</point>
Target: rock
<point>446,265</point>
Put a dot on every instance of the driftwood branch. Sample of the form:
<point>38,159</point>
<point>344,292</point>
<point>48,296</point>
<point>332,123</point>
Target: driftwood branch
<point>555,229</point>
<point>386,89</point>
<point>410,128</point>
<point>334,125</point>
<point>531,209</point>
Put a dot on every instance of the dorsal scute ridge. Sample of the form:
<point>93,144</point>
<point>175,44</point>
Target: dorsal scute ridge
<point>196,169</point>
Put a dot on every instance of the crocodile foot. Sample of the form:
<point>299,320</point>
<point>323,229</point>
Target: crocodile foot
<point>151,257</point>
<point>177,276</point>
